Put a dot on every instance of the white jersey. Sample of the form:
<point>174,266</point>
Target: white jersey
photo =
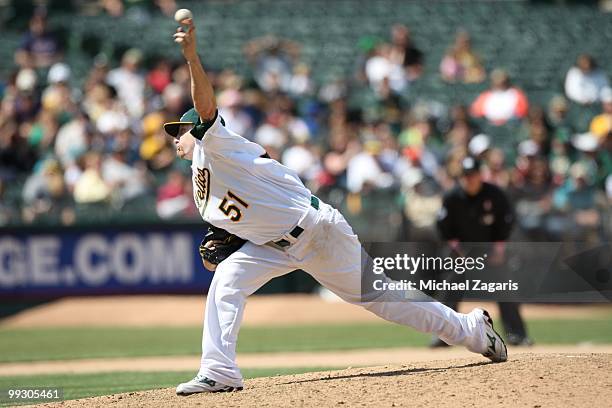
<point>255,198</point>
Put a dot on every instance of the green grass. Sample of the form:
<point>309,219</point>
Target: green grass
<point>89,385</point>
<point>75,343</point>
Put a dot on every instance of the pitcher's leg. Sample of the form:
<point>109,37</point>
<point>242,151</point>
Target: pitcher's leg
<point>427,317</point>
<point>434,318</point>
<point>237,277</point>
<point>340,271</point>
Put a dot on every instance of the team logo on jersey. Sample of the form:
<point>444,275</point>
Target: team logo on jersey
<point>202,182</point>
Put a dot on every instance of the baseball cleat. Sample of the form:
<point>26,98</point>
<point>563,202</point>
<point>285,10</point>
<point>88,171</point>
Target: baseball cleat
<point>203,384</point>
<point>496,351</point>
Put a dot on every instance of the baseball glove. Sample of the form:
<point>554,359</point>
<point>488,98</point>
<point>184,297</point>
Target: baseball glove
<point>217,245</point>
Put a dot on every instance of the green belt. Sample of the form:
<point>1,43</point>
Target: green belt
<point>314,202</point>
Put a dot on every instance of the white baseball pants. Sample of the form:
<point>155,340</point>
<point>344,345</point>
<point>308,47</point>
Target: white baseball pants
<point>330,252</point>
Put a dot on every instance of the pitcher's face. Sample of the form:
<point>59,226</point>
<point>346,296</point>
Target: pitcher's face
<point>185,143</point>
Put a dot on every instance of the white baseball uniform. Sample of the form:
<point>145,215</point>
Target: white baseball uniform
<point>263,201</point>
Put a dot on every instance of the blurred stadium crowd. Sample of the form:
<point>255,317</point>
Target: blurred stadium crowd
<point>92,149</point>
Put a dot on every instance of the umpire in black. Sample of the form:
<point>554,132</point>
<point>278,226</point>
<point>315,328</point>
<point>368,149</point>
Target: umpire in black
<point>476,211</point>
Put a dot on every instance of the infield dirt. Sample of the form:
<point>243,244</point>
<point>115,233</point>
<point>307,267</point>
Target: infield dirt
<point>526,380</point>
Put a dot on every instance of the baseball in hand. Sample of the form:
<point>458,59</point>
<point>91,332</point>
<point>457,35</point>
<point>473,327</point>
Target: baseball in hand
<point>182,14</point>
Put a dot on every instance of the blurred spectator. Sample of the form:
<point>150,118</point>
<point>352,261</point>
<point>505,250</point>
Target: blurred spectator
<point>272,60</point>
<point>173,197</point>
<point>422,203</point>
<point>112,117</point>
<point>129,82</point>
<point>380,68</point>
<point>114,8</point>
<point>479,145</point>
<point>460,63</point>
<point>560,160</point>
<point>302,158</point>
<point>585,81</point>
<point>601,125</point>
<point>126,179</point>
<point>166,7</point>
<point>389,155</point>
<point>152,136</point>
<point>301,83</point>
<point>342,148</point>
<point>403,52</point>
<point>461,127</point>
<point>156,148</point>
<point>495,170</point>
<point>174,100</point>
<point>587,145</point>
<point>527,151</point>
<point>535,127</point>
<point>160,76</point>
<point>558,118</point>
<point>595,155</point>
<point>388,103</point>
<point>272,139</point>
<point>26,80</point>
<point>288,119</point>
<point>45,195</point>
<point>364,171</point>
<point>41,132</point>
<point>59,73</point>
<point>40,48</point>
<point>58,98</point>
<point>415,134</point>
<point>230,109</point>
<point>534,199</point>
<point>373,167</point>
<point>580,200</point>
<point>16,156</point>
<point>604,159</point>
<point>502,102</point>
<point>72,140</point>
<point>90,186</point>
<point>96,100</point>
<point>23,97</point>
<point>97,74</point>
<point>366,46</point>
<point>493,160</point>
<point>7,210</point>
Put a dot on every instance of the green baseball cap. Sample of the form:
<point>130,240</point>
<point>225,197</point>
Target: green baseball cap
<point>190,117</point>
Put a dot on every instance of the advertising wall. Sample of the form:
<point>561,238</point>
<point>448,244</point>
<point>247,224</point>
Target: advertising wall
<point>52,263</point>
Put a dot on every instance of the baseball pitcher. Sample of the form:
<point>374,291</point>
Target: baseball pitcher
<point>266,223</point>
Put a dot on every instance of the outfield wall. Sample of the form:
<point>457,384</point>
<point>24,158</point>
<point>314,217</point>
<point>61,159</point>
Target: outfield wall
<point>51,262</point>
<point>47,263</point>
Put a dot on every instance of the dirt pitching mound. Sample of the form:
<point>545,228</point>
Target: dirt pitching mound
<point>527,380</point>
